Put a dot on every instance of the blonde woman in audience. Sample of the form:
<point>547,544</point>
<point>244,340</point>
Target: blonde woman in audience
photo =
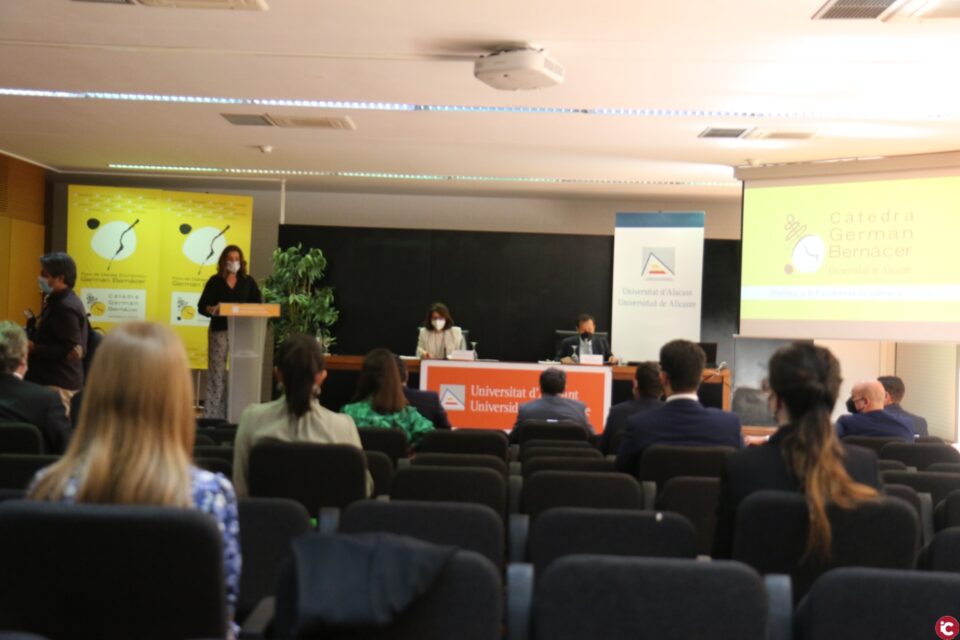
<point>134,439</point>
<point>804,455</point>
<point>297,415</point>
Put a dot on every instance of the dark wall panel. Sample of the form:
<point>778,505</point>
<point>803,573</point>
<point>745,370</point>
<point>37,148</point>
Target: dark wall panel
<point>511,290</point>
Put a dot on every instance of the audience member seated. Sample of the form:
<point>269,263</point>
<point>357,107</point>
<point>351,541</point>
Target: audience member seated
<point>585,343</point>
<point>22,401</point>
<point>682,420</point>
<point>134,439</point>
<point>551,405</point>
<point>379,401</point>
<point>425,401</point>
<point>646,396</point>
<point>894,391</point>
<point>804,455</point>
<point>870,419</point>
<point>296,416</point>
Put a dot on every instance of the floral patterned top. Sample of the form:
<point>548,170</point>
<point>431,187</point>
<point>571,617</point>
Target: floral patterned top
<point>212,494</point>
<point>408,419</point>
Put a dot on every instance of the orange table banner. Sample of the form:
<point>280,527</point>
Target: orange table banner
<point>485,395</point>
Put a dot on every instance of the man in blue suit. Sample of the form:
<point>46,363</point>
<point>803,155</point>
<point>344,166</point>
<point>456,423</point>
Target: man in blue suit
<point>682,420</point>
<point>647,390</point>
<point>871,419</point>
<point>551,406</point>
<point>895,390</point>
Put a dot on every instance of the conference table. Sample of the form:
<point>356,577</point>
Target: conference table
<point>344,369</point>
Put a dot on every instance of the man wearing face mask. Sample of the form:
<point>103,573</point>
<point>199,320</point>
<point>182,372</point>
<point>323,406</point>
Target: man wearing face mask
<point>230,284</point>
<point>869,418</point>
<point>585,343</point>
<point>59,339</point>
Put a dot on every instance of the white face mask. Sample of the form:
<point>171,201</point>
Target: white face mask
<point>233,267</point>
<point>439,324</point>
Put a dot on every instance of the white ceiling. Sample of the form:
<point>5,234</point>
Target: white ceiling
<point>872,87</point>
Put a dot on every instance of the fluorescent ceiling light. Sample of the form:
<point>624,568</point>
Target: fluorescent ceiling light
<point>445,108</point>
<point>378,175</point>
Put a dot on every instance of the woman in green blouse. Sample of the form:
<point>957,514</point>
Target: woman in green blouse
<point>379,401</point>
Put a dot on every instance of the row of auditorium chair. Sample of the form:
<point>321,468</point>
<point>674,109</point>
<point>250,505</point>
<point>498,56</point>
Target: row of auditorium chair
<point>682,479</point>
<point>93,570</point>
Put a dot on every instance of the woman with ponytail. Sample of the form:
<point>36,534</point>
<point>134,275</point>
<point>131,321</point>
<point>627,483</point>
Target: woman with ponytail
<point>297,415</point>
<point>804,455</point>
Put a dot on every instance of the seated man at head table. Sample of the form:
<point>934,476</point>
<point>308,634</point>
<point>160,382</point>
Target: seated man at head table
<point>682,420</point>
<point>551,406</point>
<point>585,343</point>
<point>425,401</point>
<point>869,419</point>
<point>647,390</point>
<point>895,390</point>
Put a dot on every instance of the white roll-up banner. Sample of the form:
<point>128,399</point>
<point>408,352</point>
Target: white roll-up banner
<point>657,278</point>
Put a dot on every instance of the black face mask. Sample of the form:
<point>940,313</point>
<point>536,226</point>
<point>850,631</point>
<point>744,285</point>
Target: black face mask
<point>851,405</point>
<point>585,335</point>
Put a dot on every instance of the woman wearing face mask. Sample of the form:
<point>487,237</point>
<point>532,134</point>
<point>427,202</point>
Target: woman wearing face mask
<point>230,284</point>
<point>438,337</point>
<point>58,342</point>
<point>297,415</point>
<point>804,455</point>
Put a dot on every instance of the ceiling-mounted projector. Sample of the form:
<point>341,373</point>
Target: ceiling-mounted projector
<point>518,69</point>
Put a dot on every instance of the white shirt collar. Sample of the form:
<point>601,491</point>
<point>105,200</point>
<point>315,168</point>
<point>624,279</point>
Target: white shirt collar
<point>684,396</point>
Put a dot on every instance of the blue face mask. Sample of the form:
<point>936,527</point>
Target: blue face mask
<point>45,287</point>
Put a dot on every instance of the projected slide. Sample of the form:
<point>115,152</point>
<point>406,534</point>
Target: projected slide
<point>871,260</point>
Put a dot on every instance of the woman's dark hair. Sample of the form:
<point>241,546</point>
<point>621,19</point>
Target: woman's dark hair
<point>380,382</point>
<point>222,261</point>
<point>439,307</point>
<point>59,264</point>
<point>806,379</point>
<point>299,359</point>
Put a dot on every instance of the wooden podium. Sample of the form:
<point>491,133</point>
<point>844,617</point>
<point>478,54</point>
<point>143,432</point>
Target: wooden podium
<point>247,327</point>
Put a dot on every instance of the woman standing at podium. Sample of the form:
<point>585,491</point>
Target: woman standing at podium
<point>438,337</point>
<point>230,285</point>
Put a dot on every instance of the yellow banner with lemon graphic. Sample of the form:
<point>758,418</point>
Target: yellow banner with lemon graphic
<point>195,229</point>
<point>145,254</point>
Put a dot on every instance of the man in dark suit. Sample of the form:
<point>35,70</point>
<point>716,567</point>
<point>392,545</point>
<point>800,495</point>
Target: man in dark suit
<point>427,403</point>
<point>551,406</point>
<point>22,401</point>
<point>646,397</point>
<point>894,391</point>
<point>871,419</point>
<point>586,343</point>
<point>682,420</point>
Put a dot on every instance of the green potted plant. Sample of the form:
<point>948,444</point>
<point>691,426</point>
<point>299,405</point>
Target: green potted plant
<point>305,306</point>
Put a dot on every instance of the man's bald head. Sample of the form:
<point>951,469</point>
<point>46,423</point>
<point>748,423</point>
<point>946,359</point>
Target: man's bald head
<point>871,393</point>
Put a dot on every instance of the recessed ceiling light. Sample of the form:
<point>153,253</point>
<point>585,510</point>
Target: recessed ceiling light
<point>386,175</point>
